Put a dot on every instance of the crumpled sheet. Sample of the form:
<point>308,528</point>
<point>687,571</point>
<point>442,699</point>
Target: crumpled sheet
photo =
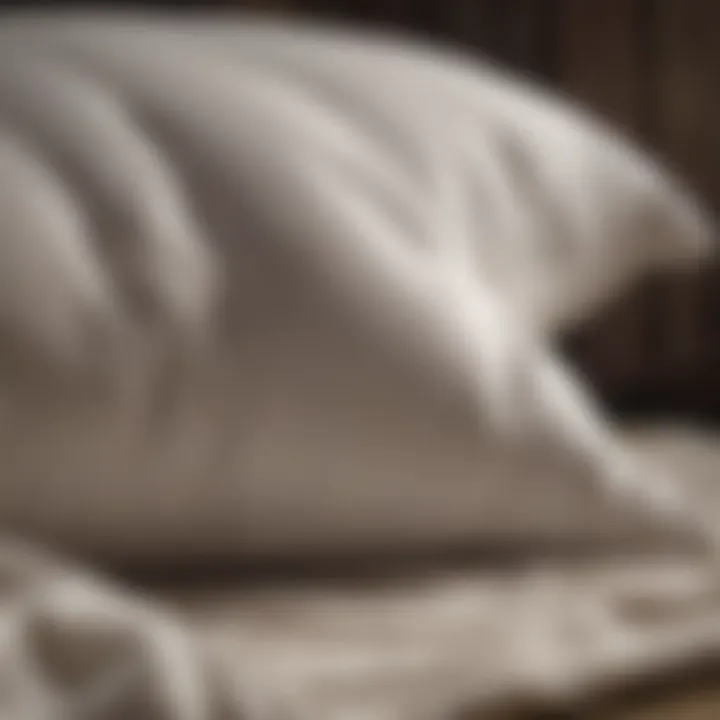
<point>472,639</point>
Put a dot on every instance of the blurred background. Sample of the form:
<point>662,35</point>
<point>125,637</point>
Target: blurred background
<point>650,66</point>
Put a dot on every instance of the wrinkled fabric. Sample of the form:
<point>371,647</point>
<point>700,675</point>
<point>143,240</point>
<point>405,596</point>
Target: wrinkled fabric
<point>460,159</point>
<point>423,645</point>
<point>263,291</point>
<point>243,316</point>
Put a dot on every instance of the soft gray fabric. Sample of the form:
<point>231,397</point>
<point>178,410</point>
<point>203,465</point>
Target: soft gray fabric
<point>235,318</point>
<point>395,648</point>
<point>248,296</point>
<point>240,314</point>
<point>456,156</point>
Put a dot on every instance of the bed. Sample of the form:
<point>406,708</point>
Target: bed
<point>430,642</point>
<point>182,327</point>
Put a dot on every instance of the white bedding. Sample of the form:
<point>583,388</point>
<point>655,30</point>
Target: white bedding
<point>243,317</point>
<point>401,646</point>
<point>256,299</point>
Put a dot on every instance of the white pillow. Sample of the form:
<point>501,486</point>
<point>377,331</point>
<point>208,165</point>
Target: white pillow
<point>239,318</point>
<point>558,211</point>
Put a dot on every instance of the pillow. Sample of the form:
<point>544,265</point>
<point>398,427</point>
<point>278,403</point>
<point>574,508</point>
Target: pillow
<point>239,318</point>
<point>558,211</point>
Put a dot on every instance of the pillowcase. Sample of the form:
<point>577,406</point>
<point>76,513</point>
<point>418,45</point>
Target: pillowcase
<point>557,210</point>
<point>241,317</point>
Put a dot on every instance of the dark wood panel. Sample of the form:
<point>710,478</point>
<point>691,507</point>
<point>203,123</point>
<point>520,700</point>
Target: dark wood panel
<point>598,62</point>
<point>687,135</point>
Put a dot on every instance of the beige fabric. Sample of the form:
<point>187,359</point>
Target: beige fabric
<point>425,645</point>
<point>458,158</point>
<point>241,311</point>
<point>181,316</point>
